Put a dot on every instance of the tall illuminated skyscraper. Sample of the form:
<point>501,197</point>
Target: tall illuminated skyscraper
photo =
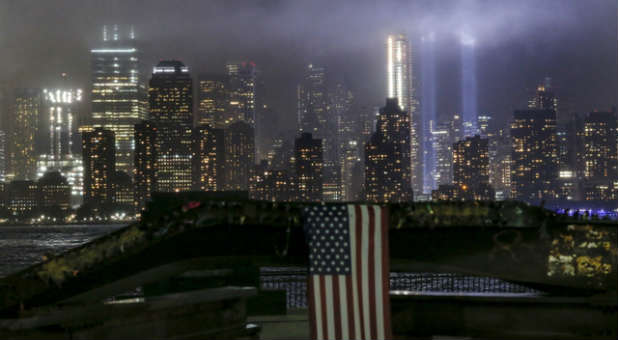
<point>213,101</point>
<point>3,155</point>
<point>118,91</point>
<point>534,166</point>
<point>170,95</point>
<point>309,166</point>
<point>98,151</point>
<point>400,85</point>
<point>61,108</point>
<point>23,130</point>
<point>544,97</point>
<point>387,157</point>
<point>242,78</point>
<point>313,108</point>
<point>239,155</point>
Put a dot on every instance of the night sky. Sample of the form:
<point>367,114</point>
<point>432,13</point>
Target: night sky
<point>518,43</point>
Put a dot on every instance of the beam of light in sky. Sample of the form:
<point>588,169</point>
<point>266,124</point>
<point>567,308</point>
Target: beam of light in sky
<point>469,95</point>
<point>428,102</point>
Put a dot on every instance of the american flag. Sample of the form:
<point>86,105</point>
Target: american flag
<point>348,271</point>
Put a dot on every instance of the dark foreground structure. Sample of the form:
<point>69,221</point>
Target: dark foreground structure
<point>196,259</point>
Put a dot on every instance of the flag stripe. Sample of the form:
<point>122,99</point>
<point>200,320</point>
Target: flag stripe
<point>318,307</point>
<point>377,258</point>
<point>324,308</point>
<point>365,273</point>
<point>371,271</point>
<point>312,307</point>
<point>386,276</point>
<point>330,306</point>
<point>343,303</point>
<point>336,306</point>
<point>359,269</point>
<point>353,213</point>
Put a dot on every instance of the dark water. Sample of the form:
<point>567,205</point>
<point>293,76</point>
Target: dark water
<point>22,246</point>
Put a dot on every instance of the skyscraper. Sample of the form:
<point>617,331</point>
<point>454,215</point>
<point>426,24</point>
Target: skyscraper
<point>208,159</point>
<point>544,97</point>
<point>313,110</point>
<point>387,157</point>
<point>442,142</point>
<point>61,108</point>
<point>242,79</point>
<point>471,168</point>
<point>213,101</point>
<point>400,85</point>
<point>170,94</point>
<point>534,154</point>
<point>600,155</point>
<point>3,156</point>
<point>309,164</point>
<point>500,163</point>
<point>23,130</point>
<point>118,92</point>
<point>146,154</point>
<point>99,155</point>
<point>239,155</point>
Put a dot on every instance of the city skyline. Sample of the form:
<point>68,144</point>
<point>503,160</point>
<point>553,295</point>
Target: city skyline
<point>177,129</point>
<point>508,46</point>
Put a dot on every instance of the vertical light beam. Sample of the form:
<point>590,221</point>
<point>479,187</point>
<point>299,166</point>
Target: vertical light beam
<point>428,76</point>
<point>468,85</point>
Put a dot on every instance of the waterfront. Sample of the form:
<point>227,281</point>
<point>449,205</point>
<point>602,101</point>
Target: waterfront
<point>22,246</point>
<point>25,245</point>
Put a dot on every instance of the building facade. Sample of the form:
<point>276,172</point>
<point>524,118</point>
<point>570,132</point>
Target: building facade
<point>471,168</point>
<point>534,155</point>
<point>99,155</point>
<point>387,157</point>
<point>118,94</point>
<point>239,155</point>
<point>22,134</point>
<point>208,158</point>
<point>309,161</point>
<point>400,85</point>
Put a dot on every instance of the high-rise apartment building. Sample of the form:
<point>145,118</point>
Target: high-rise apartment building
<point>400,85</point>
<point>387,157</point>
<point>442,142</point>
<point>99,155</point>
<point>61,108</point>
<point>544,98</point>
<point>600,155</point>
<point>146,154</point>
<point>309,165</point>
<point>208,158</point>
<point>534,155</point>
<point>213,101</point>
<point>118,94</point>
<point>3,156</point>
<point>170,97</point>
<point>471,168</point>
<point>22,134</point>
<point>239,155</point>
<point>242,81</point>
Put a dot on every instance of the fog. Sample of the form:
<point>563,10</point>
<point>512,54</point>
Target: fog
<point>517,44</point>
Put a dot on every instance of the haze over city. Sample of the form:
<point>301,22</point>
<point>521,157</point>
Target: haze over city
<point>517,43</point>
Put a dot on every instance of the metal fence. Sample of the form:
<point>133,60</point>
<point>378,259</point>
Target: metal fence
<point>294,281</point>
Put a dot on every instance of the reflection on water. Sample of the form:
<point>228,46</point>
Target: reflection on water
<point>23,246</point>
